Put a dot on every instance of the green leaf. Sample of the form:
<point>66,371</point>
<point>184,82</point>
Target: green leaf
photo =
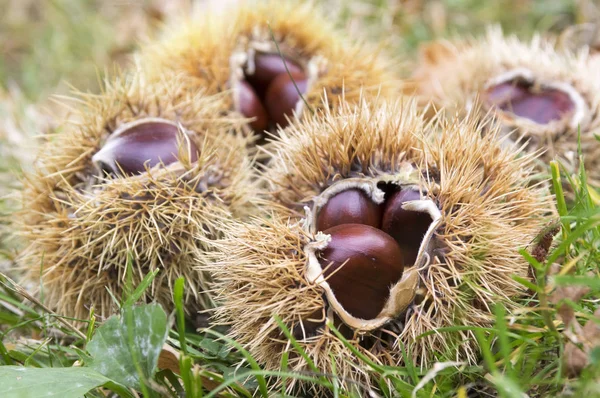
<point>126,348</point>
<point>179,303</point>
<point>21,382</point>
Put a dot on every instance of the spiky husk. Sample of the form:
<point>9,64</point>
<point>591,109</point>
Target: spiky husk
<point>453,75</point>
<point>488,211</point>
<point>205,48</point>
<point>81,229</point>
<point>582,36</point>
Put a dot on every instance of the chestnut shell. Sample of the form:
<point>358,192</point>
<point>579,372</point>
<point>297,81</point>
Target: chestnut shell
<point>143,144</point>
<point>281,97</point>
<point>252,107</point>
<point>406,227</point>
<point>361,264</point>
<point>352,206</point>
<point>266,68</point>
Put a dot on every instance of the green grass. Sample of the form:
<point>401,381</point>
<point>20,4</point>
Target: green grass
<point>47,45</point>
<point>405,25</point>
<point>69,40</point>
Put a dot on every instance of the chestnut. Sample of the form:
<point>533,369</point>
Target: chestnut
<point>266,68</point>
<point>352,206</point>
<point>361,264</point>
<point>282,96</point>
<point>251,106</point>
<point>407,227</point>
<point>541,105</point>
<point>142,144</point>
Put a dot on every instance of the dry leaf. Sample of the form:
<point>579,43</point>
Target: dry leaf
<point>562,293</point>
<point>576,357</point>
<point>169,360</point>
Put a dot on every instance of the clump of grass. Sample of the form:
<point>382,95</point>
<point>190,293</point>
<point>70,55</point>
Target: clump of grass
<point>403,26</point>
<point>121,354</point>
<point>43,44</point>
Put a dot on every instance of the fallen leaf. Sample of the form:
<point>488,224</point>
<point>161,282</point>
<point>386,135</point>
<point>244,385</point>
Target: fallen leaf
<point>572,293</point>
<point>168,359</point>
<point>576,354</point>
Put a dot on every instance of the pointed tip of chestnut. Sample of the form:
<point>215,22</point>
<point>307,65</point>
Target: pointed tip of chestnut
<point>524,99</point>
<point>352,206</point>
<point>282,96</point>
<point>361,264</point>
<point>141,145</point>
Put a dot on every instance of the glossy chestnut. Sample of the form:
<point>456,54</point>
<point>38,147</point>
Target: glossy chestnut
<point>407,227</point>
<point>541,105</point>
<point>266,68</point>
<point>143,144</point>
<point>352,206</point>
<point>282,96</point>
<point>251,106</point>
<point>361,264</point>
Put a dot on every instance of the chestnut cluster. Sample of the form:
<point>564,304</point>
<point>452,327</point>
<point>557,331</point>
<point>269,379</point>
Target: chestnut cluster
<point>269,92</point>
<point>370,245</point>
<point>525,99</point>
<point>144,144</point>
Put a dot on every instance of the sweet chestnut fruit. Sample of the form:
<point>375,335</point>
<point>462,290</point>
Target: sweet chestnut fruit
<point>352,206</point>
<point>407,227</point>
<point>282,96</point>
<point>252,107</point>
<point>361,264</point>
<point>142,145</point>
<point>266,68</point>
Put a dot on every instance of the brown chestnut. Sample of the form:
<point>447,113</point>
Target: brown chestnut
<point>407,227</point>
<point>282,96</point>
<point>524,99</point>
<point>252,107</point>
<point>143,144</point>
<point>365,263</point>
<point>266,68</point>
<point>352,206</point>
